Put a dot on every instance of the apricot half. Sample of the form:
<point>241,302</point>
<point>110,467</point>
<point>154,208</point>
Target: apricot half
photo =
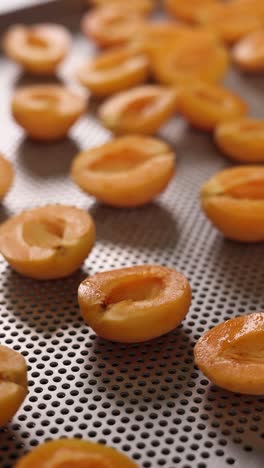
<point>39,48</point>
<point>234,202</point>
<point>232,354</point>
<point>111,25</point>
<point>74,453</point>
<point>206,105</point>
<point>242,140</point>
<point>134,304</point>
<point>13,383</point>
<point>47,112</point>
<point>141,110</point>
<point>6,176</point>
<point>114,70</point>
<point>47,242</point>
<point>248,54</point>
<point>189,10</point>
<point>126,172</point>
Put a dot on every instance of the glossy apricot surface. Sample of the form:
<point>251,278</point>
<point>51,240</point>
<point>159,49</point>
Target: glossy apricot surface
<point>39,48</point>
<point>74,453</point>
<point>205,105</point>
<point>232,354</point>
<point>47,242</point>
<point>242,140</point>
<point>114,70</point>
<point>13,383</point>
<point>248,54</point>
<point>189,10</point>
<point>141,110</point>
<point>126,172</point>
<point>6,176</point>
<point>134,304</point>
<point>233,200</point>
<point>47,112</point>
<point>111,25</point>
<point>142,6</point>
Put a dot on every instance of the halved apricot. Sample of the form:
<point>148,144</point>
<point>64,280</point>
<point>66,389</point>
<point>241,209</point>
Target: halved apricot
<point>47,242</point>
<point>111,25</point>
<point>197,57</point>
<point>242,140</point>
<point>6,176</point>
<point>206,105</point>
<point>231,355</point>
<point>233,200</point>
<point>134,304</point>
<point>39,48</point>
<point>114,70</point>
<point>187,11</point>
<point>248,54</point>
<point>126,172</point>
<point>141,110</point>
<point>142,6</point>
<point>74,453</point>
<point>13,383</point>
<point>47,112</point>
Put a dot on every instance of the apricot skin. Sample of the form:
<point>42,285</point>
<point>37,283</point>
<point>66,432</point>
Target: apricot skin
<point>126,111</point>
<point>206,105</point>
<point>248,54</point>
<point>126,172</point>
<point>114,71</point>
<point>6,176</point>
<point>134,304</point>
<point>39,48</point>
<point>242,140</point>
<point>46,112</point>
<point>13,383</point>
<point>141,6</point>
<point>189,10</point>
<point>231,354</point>
<point>48,242</point>
<point>233,200</point>
<point>74,453</point>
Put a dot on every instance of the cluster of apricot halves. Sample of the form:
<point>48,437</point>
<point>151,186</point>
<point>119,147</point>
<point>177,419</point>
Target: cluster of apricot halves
<point>186,58</point>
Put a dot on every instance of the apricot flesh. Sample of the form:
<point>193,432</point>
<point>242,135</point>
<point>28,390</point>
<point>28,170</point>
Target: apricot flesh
<point>39,48</point>
<point>206,105</point>
<point>142,6</point>
<point>141,110</point>
<point>134,304</point>
<point>248,54</point>
<point>233,200</point>
<point>74,453</point>
<point>231,355</point>
<point>6,176</point>
<point>47,112</point>
<point>114,70</point>
<point>126,172</point>
<point>47,242</point>
<point>13,383</point>
<point>187,11</point>
<point>242,140</point>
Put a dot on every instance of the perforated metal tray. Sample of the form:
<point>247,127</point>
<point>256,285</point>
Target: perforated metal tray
<point>148,400</point>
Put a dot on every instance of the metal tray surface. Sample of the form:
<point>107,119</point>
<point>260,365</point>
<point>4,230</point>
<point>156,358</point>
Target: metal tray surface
<point>148,400</point>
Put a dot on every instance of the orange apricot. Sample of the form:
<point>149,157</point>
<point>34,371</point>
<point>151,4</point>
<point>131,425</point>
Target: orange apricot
<point>233,200</point>
<point>39,48</point>
<point>74,453</point>
<point>13,383</point>
<point>114,70</point>
<point>141,110</point>
<point>242,140</point>
<point>206,105</point>
<point>248,54</point>
<point>142,6</point>
<point>6,176</point>
<point>111,25</point>
<point>197,57</point>
<point>187,11</point>
<point>126,172</point>
<point>134,304</point>
<point>47,112</point>
<point>47,242</point>
<point>231,355</point>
